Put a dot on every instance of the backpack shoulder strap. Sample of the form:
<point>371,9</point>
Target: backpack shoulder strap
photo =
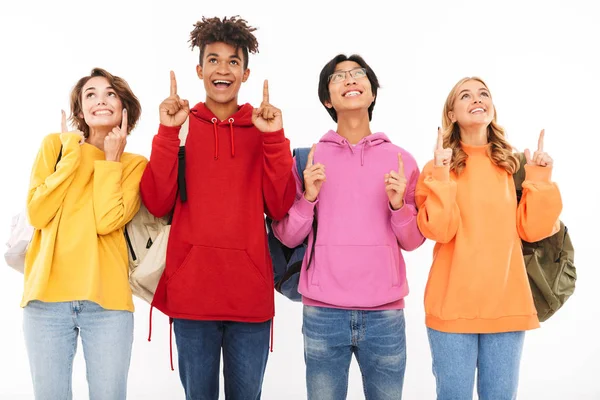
<point>58,158</point>
<point>519,176</point>
<point>301,154</point>
<point>181,175</point>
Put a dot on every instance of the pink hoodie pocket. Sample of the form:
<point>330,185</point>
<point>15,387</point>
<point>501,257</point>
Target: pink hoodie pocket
<point>354,276</point>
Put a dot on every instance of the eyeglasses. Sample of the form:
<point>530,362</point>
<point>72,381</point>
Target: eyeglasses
<point>355,73</point>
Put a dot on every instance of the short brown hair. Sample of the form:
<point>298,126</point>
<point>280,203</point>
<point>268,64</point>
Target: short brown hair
<point>234,31</point>
<point>121,87</point>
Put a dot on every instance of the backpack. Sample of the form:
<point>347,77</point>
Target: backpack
<point>147,237</point>
<point>21,233</point>
<point>550,263</point>
<point>288,262</point>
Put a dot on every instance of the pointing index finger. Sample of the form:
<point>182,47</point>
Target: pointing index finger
<point>266,92</point>
<point>173,84</point>
<point>541,141</point>
<point>124,122</point>
<point>311,156</point>
<point>440,140</point>
<point>63,122</point>
<point>400,165</point>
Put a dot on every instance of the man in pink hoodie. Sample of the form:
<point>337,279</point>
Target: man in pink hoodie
<point>358,217</point>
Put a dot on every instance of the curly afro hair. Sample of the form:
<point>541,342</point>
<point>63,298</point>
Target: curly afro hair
<point>234,31</point>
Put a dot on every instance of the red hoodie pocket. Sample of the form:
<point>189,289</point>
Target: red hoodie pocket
<point>219,283</point>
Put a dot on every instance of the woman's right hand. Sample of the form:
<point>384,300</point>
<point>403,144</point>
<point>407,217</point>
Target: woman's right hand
<point>441,156</point>
<point>314,176</point>
<point>173,110</point>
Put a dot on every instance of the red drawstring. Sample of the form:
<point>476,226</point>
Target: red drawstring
<point>150,329</point>
<point>214,121</point>
<point>231,135</point>
<point>171,342</point>
<point>272,321</point>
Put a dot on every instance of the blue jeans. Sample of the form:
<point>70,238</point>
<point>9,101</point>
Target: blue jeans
<point>51,331</point>
<point>496,356</point>
<point>245,350</point>
<point>376,338</point>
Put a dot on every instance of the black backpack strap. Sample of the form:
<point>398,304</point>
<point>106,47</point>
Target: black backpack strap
<point>58,158</point>
<point>519,176</point>
<point>181,186</point>
<point>181,175</point>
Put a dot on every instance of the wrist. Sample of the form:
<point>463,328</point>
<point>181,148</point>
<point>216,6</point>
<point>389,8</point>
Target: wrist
<point>309,198</point>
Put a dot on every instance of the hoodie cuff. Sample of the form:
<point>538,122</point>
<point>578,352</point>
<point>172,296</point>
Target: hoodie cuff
<point>441,174</point>
<point>537,173</point>
<point>169,131</point>
<point>402,215</point>
<point>305,208</point>
<point>273,137</point>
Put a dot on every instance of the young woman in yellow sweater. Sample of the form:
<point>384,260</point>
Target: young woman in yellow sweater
<point>84,188</point>
<point>478,302</point>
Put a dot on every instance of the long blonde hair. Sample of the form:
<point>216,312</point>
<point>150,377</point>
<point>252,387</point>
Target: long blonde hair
<point>499,150</point>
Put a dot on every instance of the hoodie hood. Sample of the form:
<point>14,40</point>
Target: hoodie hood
<point>374,139</point>
<point>242,118</point>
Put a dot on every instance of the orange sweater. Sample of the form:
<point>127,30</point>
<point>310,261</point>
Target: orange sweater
<point>478,282</point>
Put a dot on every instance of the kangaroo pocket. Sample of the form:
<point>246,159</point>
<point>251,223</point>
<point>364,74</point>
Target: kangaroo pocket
<point>354,276</point>
<point>218,283</point>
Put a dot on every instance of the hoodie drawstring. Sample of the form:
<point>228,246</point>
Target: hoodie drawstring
<point>170,337</point>
<point>214,121</point>
<point>362,153</point>
<point>150,328</point>
<point>231,135</point>
<point>171,342</point>
<point>216,133</point>
<point>272,321</point>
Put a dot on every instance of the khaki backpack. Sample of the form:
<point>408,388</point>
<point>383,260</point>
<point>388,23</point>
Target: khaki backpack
<point>550,263</point>
<point>147,237</point>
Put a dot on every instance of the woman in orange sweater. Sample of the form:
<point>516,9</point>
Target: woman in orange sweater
<point>478,300</point>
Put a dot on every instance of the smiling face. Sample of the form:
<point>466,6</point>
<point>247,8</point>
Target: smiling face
<point>472,105</point>
<point>101,107</point>
<point>222,72</point>
<point>350,93</point>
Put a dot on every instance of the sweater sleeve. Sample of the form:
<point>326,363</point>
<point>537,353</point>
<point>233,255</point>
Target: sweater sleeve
<point>278,182</point>
<point>404,220</point>
<point>297,224</point>
<point>540,204</point>
<point>438,216</point>
<point>158,187</point>
<point>116,192</point>
<point>48,188</point>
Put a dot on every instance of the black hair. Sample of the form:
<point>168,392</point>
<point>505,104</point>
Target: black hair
<point>234,31</point>
<point>329,68</point>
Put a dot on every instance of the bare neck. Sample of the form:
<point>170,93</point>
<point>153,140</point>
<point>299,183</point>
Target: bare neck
<point>353,126</point>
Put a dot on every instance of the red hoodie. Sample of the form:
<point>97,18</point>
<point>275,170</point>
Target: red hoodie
<point>218,265</point>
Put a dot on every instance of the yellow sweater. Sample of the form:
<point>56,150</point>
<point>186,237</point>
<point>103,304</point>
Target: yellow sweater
<point>478,282</point>
<point>78,250</point>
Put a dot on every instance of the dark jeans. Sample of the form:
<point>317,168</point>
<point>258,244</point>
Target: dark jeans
<point>245,350</point>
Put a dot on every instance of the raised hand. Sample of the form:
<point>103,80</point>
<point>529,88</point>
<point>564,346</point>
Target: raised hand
<point>441,156</point>
<point>314,176</point>
<point>65,128</point>
<point>173,110</point>
<point>115,141</point>
<point>267,118</point>
<point>540,157</point>
<point>395,185</point>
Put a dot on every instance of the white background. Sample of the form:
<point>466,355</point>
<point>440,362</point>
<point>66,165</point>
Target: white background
<point>540,60</point>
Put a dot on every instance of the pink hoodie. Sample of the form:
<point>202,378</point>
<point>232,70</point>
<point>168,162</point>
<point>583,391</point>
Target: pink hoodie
<point>357,263</point>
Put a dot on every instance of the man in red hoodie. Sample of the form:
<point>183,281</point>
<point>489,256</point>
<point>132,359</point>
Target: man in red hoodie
<point>217,287</point>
